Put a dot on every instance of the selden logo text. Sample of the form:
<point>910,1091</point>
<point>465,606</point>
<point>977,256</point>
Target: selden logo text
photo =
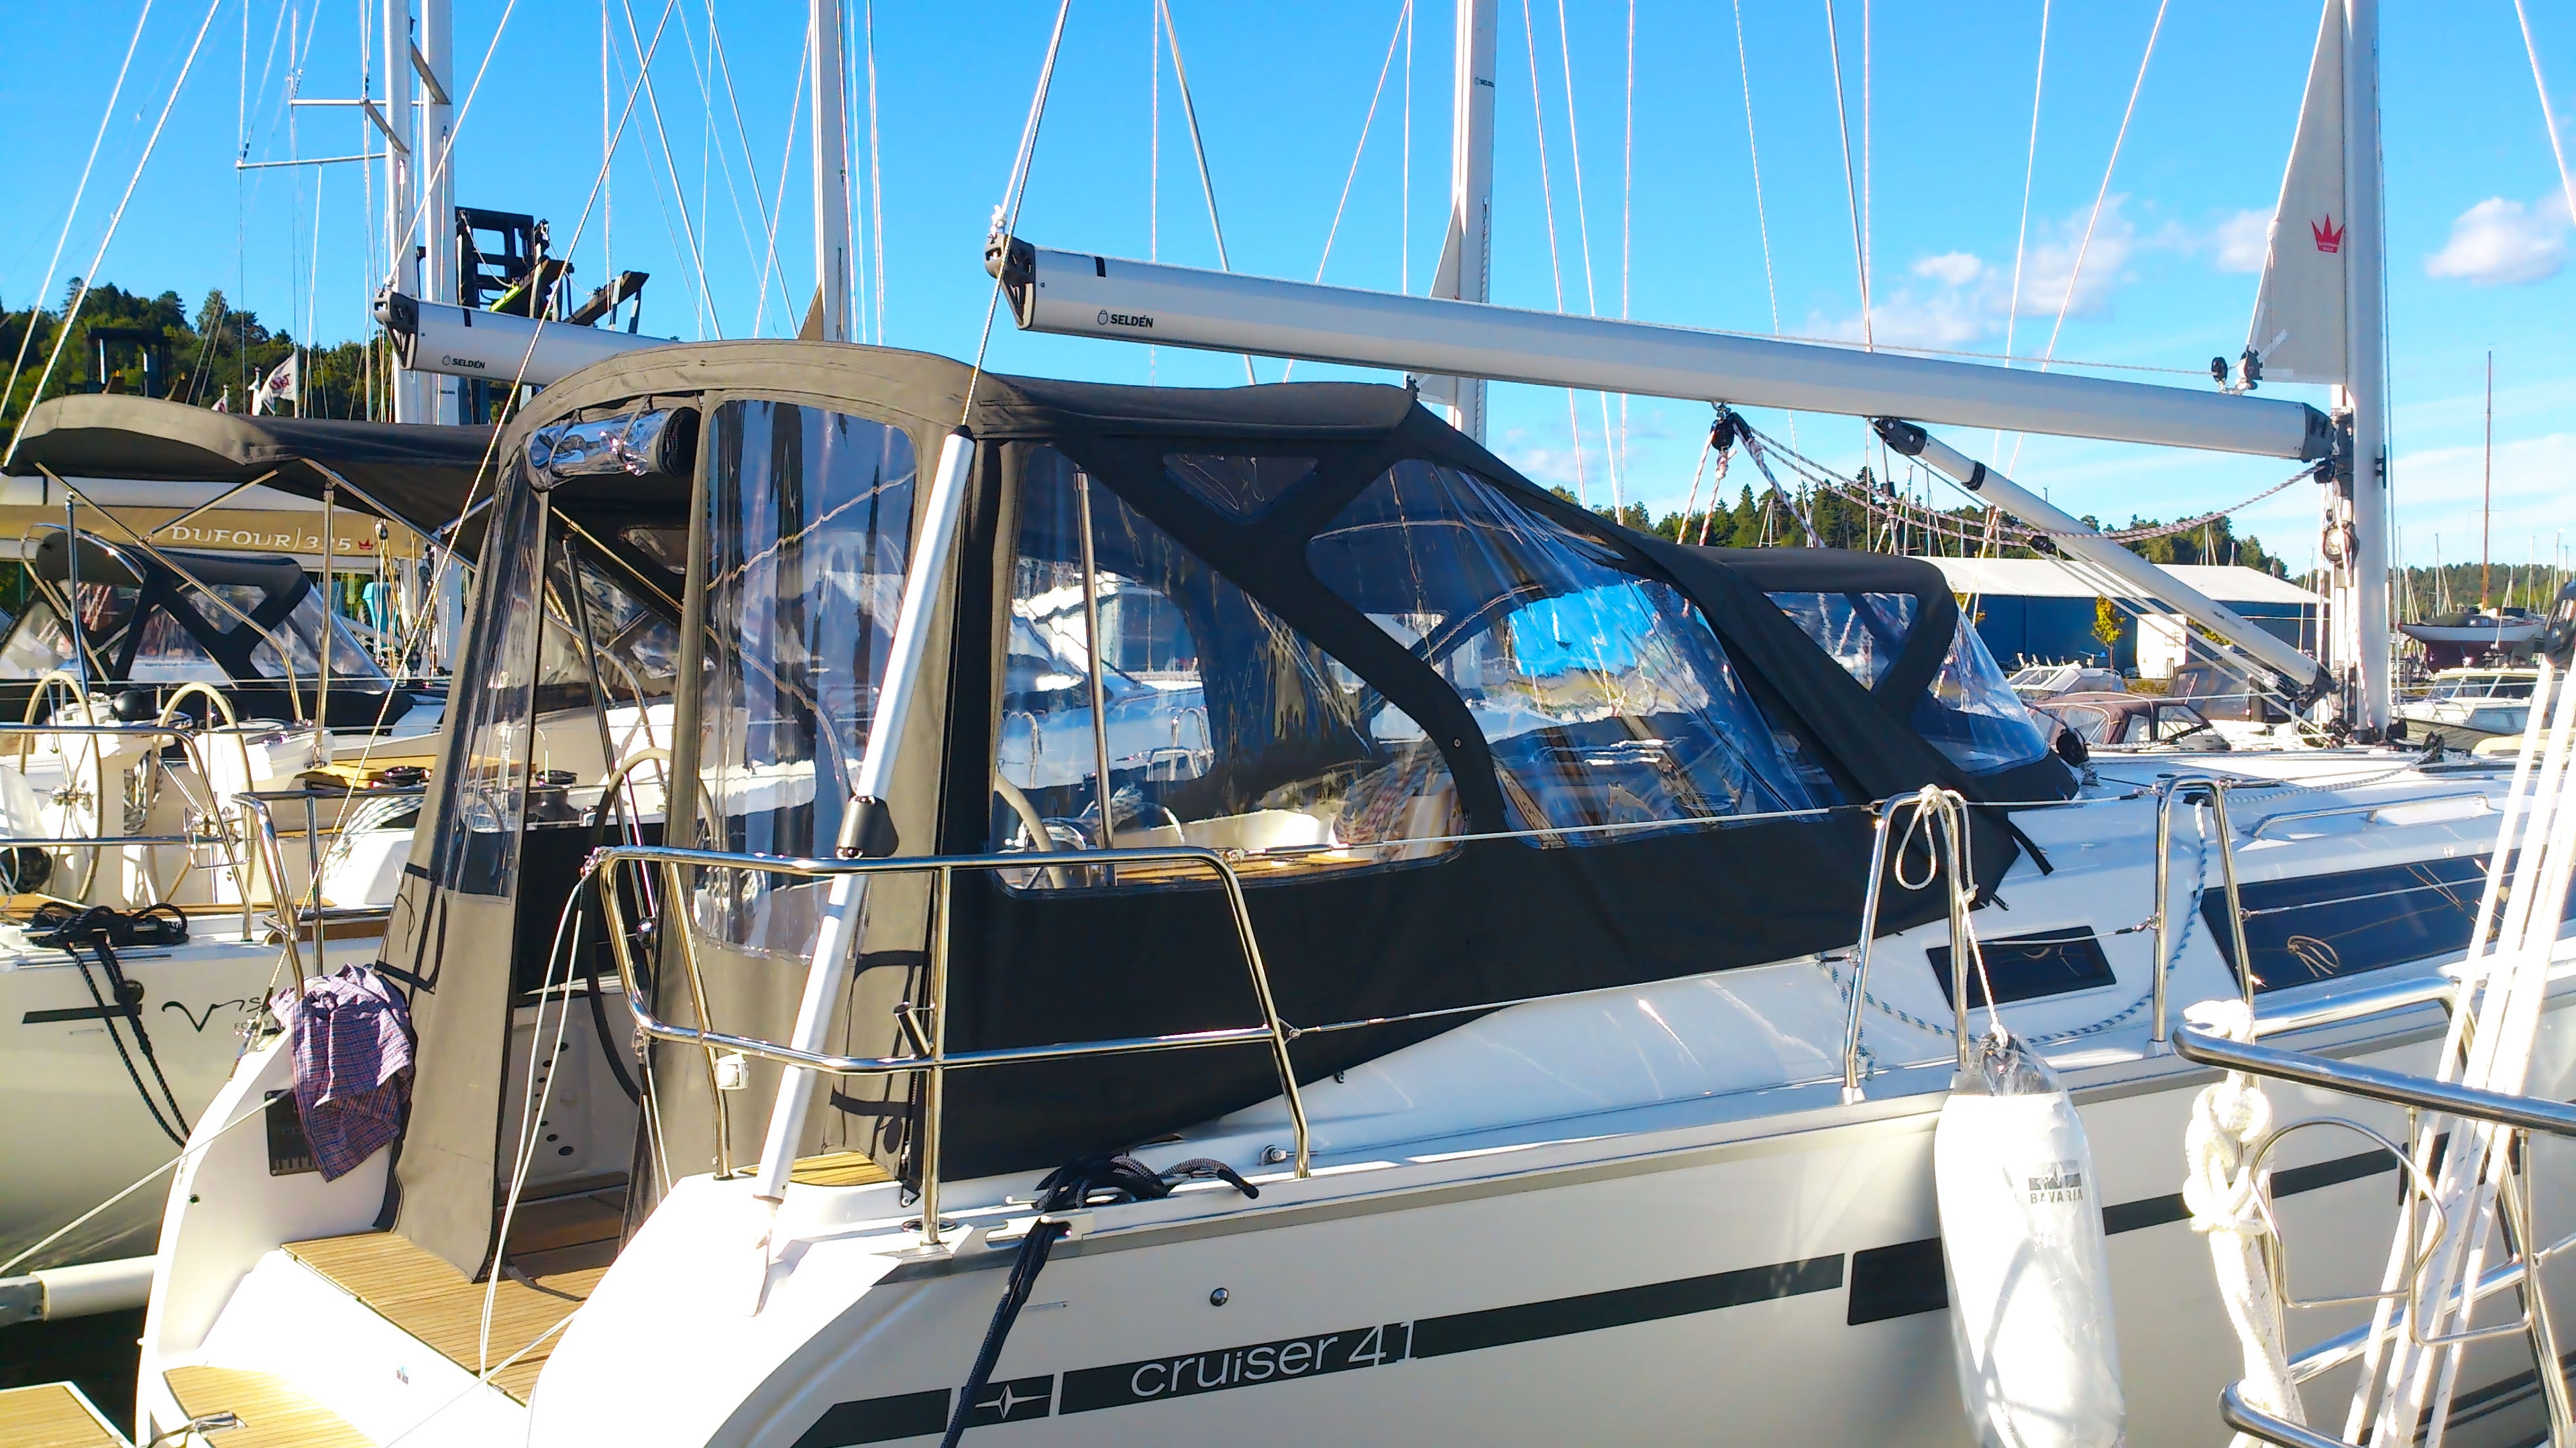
<point>1123,319</point>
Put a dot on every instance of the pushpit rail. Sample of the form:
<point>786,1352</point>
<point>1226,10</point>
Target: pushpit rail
<point>927,1025</point>
<point>2418,1095</point>
<point>289,914</point>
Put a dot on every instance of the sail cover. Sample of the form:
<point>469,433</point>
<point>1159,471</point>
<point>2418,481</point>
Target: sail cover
<point>2299,327</point>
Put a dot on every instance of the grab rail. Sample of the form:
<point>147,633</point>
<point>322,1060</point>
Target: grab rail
<point>927,1027</point>
<point>2372,812</point>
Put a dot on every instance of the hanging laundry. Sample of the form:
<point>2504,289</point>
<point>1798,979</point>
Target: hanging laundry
<point>352,1038</point>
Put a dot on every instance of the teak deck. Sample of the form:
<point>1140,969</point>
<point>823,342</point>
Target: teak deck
<point>53,1415</point>
<point>273,1412</point>
<point>559,1249</point>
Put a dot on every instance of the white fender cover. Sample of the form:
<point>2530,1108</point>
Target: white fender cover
<point>2029,1275</point>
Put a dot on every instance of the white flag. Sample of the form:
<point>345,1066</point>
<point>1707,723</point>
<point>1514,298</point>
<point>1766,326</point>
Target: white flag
<point>283,384</point>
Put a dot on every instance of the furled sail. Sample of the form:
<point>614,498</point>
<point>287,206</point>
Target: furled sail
<point>2299,324</point>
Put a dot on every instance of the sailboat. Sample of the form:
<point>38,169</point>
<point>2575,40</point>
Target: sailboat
<point>1232,912</point>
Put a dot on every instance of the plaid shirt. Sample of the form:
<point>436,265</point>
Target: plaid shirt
<point>353,1051</point>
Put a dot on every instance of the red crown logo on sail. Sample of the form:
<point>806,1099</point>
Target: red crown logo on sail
<point>2329,236</point>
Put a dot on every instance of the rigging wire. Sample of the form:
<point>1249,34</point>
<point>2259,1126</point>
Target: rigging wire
<point>63,238</point>
<point>1761,213</point>
<point>1851,193</point>
<point>1006,217</point>
<point>1403,11</point>
<point>1198,147</point>
<point>679,193</point>
<point>150,144</point>
<point>1627,199</point>
<point>751,168</point>
<point>1547,197</point>
<point>2548,114</point>
<point>876,171</point>
<point>2101,198</point>
<point>1583,232</point>
<point>2029,170</point>
<point>1404,185</point>
<point>786,152</point>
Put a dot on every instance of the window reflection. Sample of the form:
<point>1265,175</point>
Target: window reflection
<point>1972,714</point>
<point>809,522</point>
<point>1222,725</point>
<point>1602,694</point>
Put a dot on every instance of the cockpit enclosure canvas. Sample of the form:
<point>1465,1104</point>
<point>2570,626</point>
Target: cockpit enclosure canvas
<point>1464,743</point>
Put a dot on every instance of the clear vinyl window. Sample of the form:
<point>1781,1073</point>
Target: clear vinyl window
<point>1863,631</point>
<point>1971,713</point>
<point>493,702</point>
<point>1603,695</point>
<point>1221,726</point>
<point>40,643</point>
<point>809,528</point>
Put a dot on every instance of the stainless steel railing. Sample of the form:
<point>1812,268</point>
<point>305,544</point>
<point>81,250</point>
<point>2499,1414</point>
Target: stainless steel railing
<point>2518,1116</point>
<point>926,1025</point>
<point>1943,815</point>
<point>2213,788</point>
<point>291,911</point>
<point>186,739</point>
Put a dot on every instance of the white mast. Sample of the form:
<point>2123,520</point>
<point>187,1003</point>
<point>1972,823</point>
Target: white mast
<point>2365,390</point>
<point>401,159</point>
<point>438,217</point>
<point>829,319</point>
<point>1467,253</point>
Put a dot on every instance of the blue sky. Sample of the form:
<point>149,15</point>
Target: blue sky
<point>2478,232</point>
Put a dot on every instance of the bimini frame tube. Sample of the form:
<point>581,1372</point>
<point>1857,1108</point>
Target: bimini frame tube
<point>2072,535</point>
<point>1080,295</point>
<point>867,829</point>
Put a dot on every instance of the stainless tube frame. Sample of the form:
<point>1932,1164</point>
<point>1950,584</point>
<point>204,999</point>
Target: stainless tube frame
<point>1950,810</point>
<point>289,914</point>
<point>2213,788</point>
<point>2520,1115</point>
<point>936,1059</point>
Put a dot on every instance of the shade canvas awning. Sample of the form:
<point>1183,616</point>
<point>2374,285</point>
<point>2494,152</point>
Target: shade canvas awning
<point>423,475</point>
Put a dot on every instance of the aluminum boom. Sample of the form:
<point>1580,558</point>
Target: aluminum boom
<point>1078,294</point>
<point>459,341</point>
<point>2071,535</point>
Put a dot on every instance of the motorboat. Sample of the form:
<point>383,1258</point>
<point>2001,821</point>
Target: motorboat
<point>2041,681</point>
<point>2466,707</point>
<point>1484,930</point>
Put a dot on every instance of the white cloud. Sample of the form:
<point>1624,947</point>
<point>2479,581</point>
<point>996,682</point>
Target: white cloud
<point>2241,241</point>
<point>1963,299</point>
<point>2049,268</point>
<point>2504,243</point>
<point>1950,268</point>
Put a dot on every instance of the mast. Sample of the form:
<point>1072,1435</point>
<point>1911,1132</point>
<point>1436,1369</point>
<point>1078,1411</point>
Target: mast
<point>829,319</point>
<point>1467,252</point>
<point>2366,371</point>
<point>402,264</point>
<point>437,233</point>
<point>2486,492</point>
